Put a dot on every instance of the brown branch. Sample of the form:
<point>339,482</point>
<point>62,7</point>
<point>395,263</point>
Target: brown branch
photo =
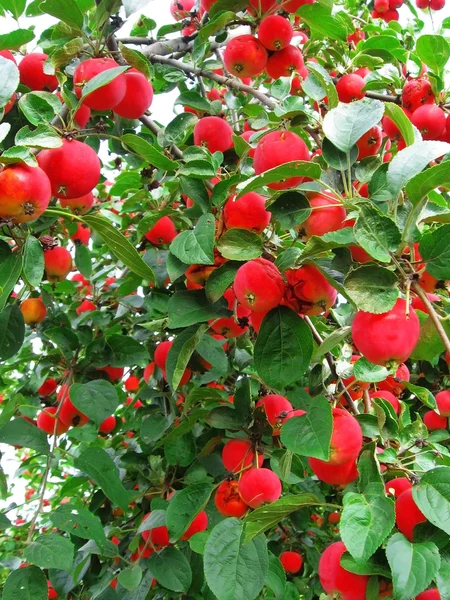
<point>154,128</point>
<point>433,314</point>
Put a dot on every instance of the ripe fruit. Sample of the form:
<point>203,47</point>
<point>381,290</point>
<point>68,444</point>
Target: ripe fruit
<point>46,421</point>
<point>276,409</point>
<point>308,292</point>
<point>390,128</point>
<point>48,387</point>
<point>327,215</point>
<point>85,306</point>
<point>58,263</point>
<point>275,32</point>
<point>388,337</point>
<point>73,168</point>
<point>397,486</point>
<point>159,535</point>
<point>346,439</point>
<point>418,304</point>
<point>108,425</point>
<point>180,9</point>
<point>394,384</point>
<point>138,96</point>
<point>429,595</point>
<point>106,97</point>
<point>71,416</point>
<point>132,383</point>
<point>430,121</point>
<point>162,232</point>
<point>79,206</point>
<point>25,193</point>
<point>370,142</point>
<point>214,133</point>
<point>258,285</point>
<point>200,523</point>
<point>247,212</point>
<point>334,474</point>
<point>335,579</point>
<point>227,500</point>
<point>433,421</point>
<point>230,327</point>
<point>82,234</point>
<point>285,62</point>
<point>148,371</point>
<point>114,373</point>
<point>292,561</point>
<point>8,55</point>
<point>238,454</point>
<point>349,88</point>
<point>416,93</point>
<point>31,69</point>
<point>389,397</point>
<point>407,514</point>
<point>82,115</point>
<point>334,518</point>
<point>259,486</point>
<point>277,148</point>
<point>381,5</point>
<point>443,403</point>
<point>245,56</point>
<point>161,352</point>
<point>33,311</point>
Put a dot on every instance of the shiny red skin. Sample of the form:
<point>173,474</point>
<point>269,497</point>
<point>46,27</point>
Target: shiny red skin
<point>433,421</point>
<point>200,523</point>
<point>346,440</point>
<point>238,454</point>
<point>245,56</point>
<point>334,474</point>
<point>31,69</point>
<point>8,55</point>
<point>132,383</point>
<point>159,535</point>
<point>430,120</point>
<point>285,62</point>
<point>58,263</point>
<point>308,292</point>
<point>73,169</point>
<point>394,384</point>
<point>71,416</point>
<point>443,403</point>
<point>381,6</point>
<point>82,115</point>
<point>407,514</point>
<point>292,6</point>
<point>276,408</point>
<point>82,234</point>
<point>25,193</point>
<point>85,306</point>
<point>108,425</point>
<point>48,387</point>
<point>418,304</point>
<point>429,595</point>
<point>138,96</point>
<point>370,142</point>
<point>349,88</point>
<point>335,578</point>
<point>389,397</point>
<point>277,148</point>
<point>416,93</point>
<point>323,220</point>
<point>46,420</point>
<point>388,337</point>
<point>390,128</point>
<point>161,352</point>
<point>106,97</point>
<point>247,212</point>
<point>227,326</point>
<point>180,9</point>
<point>162,232</point>
<point>114,373</point>
<point>148,371</point>
<point>259,486</point>
<point>214,133</point>
<point>258,285</point>
<point>79,206</point>
<point>292,561</point>
<point>227,500</point>
<point>397,486</point>
<point>275,32</point>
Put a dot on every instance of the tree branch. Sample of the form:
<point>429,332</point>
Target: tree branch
<point>433,314</point>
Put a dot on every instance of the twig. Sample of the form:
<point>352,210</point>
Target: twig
<point>367,401</point>
<point>433,314</point>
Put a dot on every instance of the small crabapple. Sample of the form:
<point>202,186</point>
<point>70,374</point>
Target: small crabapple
<point>327,215</point>
<point>292,561</point>
<point>25,193</point>
<point>259,486</point>
<point>162,232</point>
<point>33,311</point>
<point>407,514</point>
<point>214,133</point>
<point>276,408</point>
<point>46,420</point>
<point>31,69</point>
<point>108,425</point>
<point>349,88</point>
<point>108,96</point>
<point>58,263</point>
<point>285,62</point>
<point>228,501</point>
<point>335,579</point>
<point>395,487</point>
<point>434,421</point>
<point>132,383</point>
<point>247,212</point>
<point>245,56</point>
<point>275,32</point>
<point>85,306</point>
<point>238,454</point>
<point>389,397</point>
<point>48,387</point>
<point>258,285</point>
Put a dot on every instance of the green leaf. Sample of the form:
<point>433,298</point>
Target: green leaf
<point>64,10</point>
<point>185,506</point>
<point>434,51</point>
<point>377,234</point>
<point>220,280</point>
<point>120,246</point>
<point>283,348</point>
<point>9,80</point>
<point>320,20</point>
<point>65,339</point>
<point>422,184</point>
<point>99,466</point>
<point>28,583</point>
<point>290,209</point>
<point>411,161</point>
<point>50,551</point>
<point>101,79</point>
<point>198,169</point>
<point>370,567</point>
<point>196,246</point>
<point>266,517</point>
<point>5,128</point>
<point>194,100</point>
<point>178,129</point>
<point>181,351</point>
<point>443,577</point>
<point>321,79</point>
<point>130,578</point>
<point>83,260</point>
<point>96,399</point>
<point>65,54</point>
<point>423,394</point>
<point>337,159</point>
<point>413,566</point>
<point>189,307</point>
<point>39,107</point>
<point>332,340</point>
<point>154,427</point>
<point>126,351</point>
<point>43,136</point>
<point>432,496</point>
<point>434,248</point>
<point>240,244</point>
<point>215,25</point>
<point>310,434</point>
<point>15,39</point>
<point>136,59</point>
<point>345,124</point>
<point>18,154</point>
<point>20,432</point>
<point>224,417</point>
<point>372,288</point>
<point>79,522</point>
<point>196,191</point>
<point>367,371</point>
<point>33,261</point>
<point>12,331</point>
<point>171,569</point>
<point>10,268</point>
<point>233,571</point>
<point>395,113</point>
<point>367,520</point>
<point>148,152</point>
<point>276,577</point>
<point>295,168</point>
<point>15,7</point>
<point>231,5</point>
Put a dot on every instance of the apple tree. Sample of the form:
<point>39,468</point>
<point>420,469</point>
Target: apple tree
<point>224,334</point>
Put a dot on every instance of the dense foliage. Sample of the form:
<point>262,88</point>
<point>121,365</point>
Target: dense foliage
<point>224,342</point>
